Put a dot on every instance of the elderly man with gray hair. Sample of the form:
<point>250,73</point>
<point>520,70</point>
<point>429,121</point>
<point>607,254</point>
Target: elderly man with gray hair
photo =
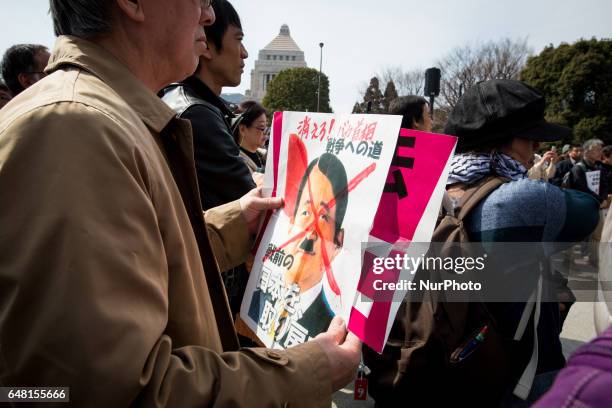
<point>588,176</point>
<point>585,176</point>
<point>109,269</point>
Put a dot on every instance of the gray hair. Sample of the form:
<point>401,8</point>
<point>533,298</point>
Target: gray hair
<point>81,18</point>
<point>591,143</point>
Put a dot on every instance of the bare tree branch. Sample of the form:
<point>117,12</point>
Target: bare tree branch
<point>464,66</point>
<point>406,82</point>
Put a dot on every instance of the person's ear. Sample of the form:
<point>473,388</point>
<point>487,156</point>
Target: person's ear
<point>339,240</point>
<point>132,9</point>
<point>241,129</point>
<point>416,125</point>
<point>210,51</point>
<point>338,243</point>
<point>25,80</point>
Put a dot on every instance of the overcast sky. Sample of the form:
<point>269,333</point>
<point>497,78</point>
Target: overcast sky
<point>363,37</point>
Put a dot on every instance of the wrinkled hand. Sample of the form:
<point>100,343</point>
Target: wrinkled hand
<point>343,352</point>
<point>253,205</point>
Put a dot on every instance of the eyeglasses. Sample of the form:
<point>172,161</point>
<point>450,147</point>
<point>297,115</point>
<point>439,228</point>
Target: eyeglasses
<point>262,129</point>
<point>206,3</point>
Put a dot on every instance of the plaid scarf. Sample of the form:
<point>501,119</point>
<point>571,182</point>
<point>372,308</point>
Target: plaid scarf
<point>470,167</point>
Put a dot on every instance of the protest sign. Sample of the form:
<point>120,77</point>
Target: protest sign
<point>593,180</point>
<point>331,171</point>
<point>406,215</point>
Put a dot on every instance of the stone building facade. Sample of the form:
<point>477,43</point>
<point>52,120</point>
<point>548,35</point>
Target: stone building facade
<point>281,53</point>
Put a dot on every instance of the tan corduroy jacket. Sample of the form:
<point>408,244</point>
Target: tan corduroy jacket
<point>108,284</point>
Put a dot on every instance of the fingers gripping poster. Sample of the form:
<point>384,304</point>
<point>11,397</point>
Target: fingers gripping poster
<point>331,171</point>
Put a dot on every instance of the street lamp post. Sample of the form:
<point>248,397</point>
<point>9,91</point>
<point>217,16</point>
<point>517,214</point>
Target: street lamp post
<point>320,70</point>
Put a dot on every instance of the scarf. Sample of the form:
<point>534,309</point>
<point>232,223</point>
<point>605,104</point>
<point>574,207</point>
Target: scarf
<point>468,168</point>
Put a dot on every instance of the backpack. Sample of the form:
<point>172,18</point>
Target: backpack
<point>568,178</point>
<point>419,364</point>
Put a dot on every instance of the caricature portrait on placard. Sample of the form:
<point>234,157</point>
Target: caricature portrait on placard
<point>331,174</point>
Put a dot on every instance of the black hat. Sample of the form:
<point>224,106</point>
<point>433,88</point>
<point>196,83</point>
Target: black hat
<point>500,109</point>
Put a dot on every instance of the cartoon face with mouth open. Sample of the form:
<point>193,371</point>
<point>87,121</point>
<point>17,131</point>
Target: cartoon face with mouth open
<point>321,202</point>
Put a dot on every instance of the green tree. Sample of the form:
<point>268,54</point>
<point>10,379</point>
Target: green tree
<point>372,99</point>
<point>295,89</point>
<point>399,82</point>
<point>577,82</point>
<point>389,95</point>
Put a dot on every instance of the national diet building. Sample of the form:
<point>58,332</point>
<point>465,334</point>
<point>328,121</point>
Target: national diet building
<point>281,53</point>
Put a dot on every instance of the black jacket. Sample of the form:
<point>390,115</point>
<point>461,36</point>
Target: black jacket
<point>563,167</point>
<point>222,174</point>
<point>606,177</point>
<point>578,181</point>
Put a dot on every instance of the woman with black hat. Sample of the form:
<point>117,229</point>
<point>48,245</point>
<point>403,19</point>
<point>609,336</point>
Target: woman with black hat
<point>499,124</point>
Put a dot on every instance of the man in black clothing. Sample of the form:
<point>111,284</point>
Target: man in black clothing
<point>586,175</point>
<point>223,175</point>
<point>590,176</point>
<point>564,166</point>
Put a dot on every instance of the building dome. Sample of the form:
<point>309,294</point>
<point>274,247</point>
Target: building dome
<point>281,53</point>
<point>283,41</point>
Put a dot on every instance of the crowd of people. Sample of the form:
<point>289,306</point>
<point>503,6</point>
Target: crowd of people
<point>131,194</point>
<point>521,208</point>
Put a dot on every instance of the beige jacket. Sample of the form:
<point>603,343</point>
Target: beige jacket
<point>108,284</point>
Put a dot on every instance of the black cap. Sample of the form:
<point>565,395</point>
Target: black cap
<point>500,109</point>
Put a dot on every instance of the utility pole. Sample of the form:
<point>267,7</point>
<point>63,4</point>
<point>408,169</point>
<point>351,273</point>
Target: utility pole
<point>319,86</point>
